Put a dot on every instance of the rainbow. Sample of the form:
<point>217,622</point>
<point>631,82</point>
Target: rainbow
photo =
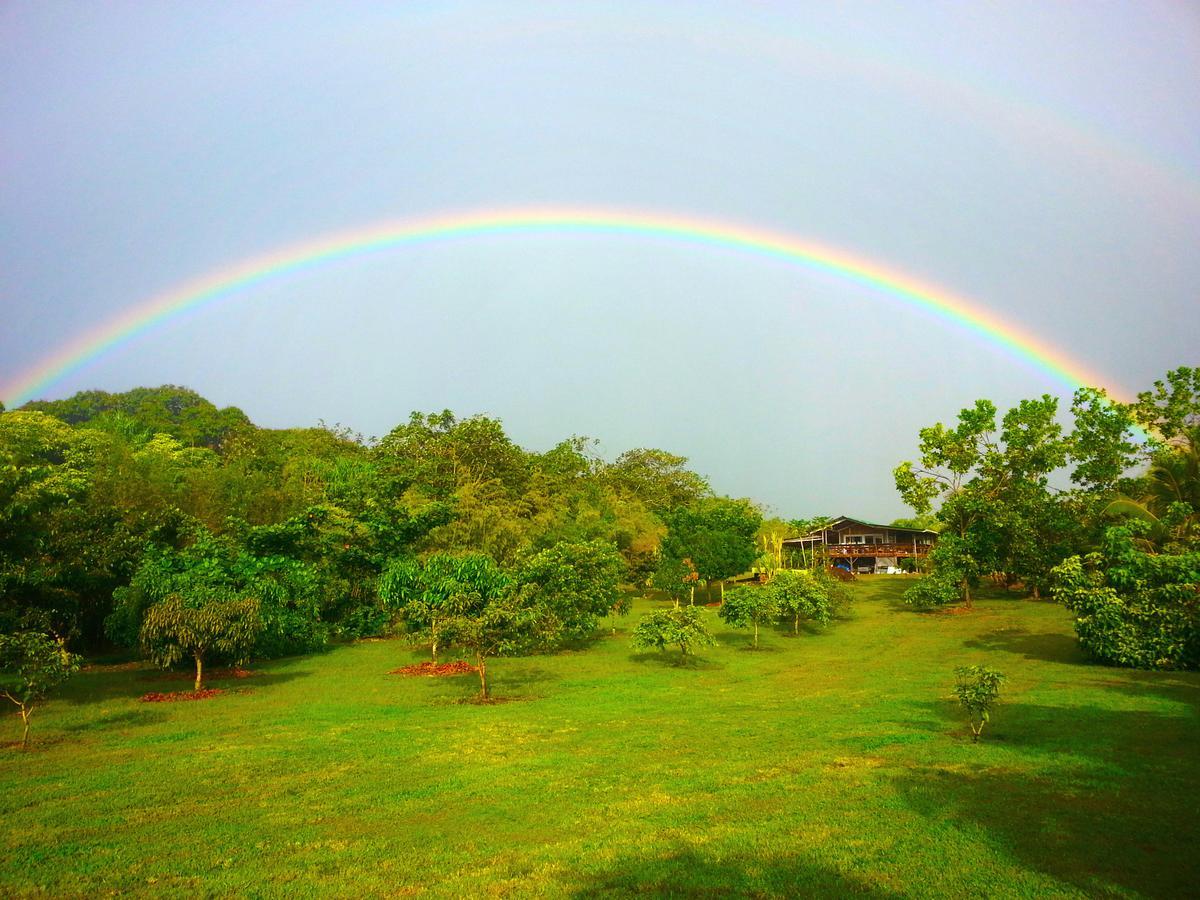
<point>242,277</point>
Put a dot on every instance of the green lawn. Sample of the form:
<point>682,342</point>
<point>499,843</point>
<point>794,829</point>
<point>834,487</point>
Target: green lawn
<point>834,763</point>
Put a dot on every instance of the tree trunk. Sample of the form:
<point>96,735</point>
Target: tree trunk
<point>756,634</point>
<point>722,591</point>
<point>25,721</point>
<point>796,627</point>
<point>434,645</point>
<point>483,685</point>
<point>966,591</point>
<point>199,671</point>
<point>1037,594</point>
<point>692,596</point>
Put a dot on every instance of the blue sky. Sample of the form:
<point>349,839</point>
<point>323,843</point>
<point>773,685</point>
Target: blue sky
<point>1042,159</point>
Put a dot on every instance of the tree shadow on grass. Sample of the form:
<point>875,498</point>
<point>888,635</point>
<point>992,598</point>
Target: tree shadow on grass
<point>106,687</point>
<point>687,873</point>
<point>1178,687</point>
<point>672,660</point>
<point>1123,820</point>
<point>144,715</point>
<point>1049,646</point>
<point>1102,838</point>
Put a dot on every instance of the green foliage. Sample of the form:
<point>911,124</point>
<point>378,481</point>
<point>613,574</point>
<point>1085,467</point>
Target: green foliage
<point>177,411</point>
<point>574,583</point>
<point>992,482</point>
<point>175,629</point>
<point>1134,608</point>
<point>717,534</point>
<point>978,690</point>
<point>675,577</point>
<point>217,567</point>
<point>677,626</point>
<point>749,607</point>
<point>659,479</point>
<point>425,596</point>
<point>806,595</point>
<point>32,665</point>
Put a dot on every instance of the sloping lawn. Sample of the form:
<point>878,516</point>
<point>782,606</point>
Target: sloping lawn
<point>834,763</point>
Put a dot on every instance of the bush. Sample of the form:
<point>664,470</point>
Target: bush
<point>1133,608</point>
<point>978,690</point>
<point>932,591</point>
<point>678,626</point>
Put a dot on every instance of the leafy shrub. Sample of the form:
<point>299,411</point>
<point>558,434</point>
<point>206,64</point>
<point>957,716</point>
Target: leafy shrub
<point>802,594</point>
<point>1133,608</point>
<point>978,690</point>
<point>678,626</point>
<point>746,607</point>
<point>931,591</point>
<point>31,665</point>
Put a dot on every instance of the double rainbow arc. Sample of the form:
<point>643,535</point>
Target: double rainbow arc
<point>970,316</point>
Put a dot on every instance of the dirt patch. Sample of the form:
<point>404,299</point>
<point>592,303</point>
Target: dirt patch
<point>956,611</point>
<point>115,667</point>
<point>435,670</point>
<point>177,696</point>
<point>213,674</point>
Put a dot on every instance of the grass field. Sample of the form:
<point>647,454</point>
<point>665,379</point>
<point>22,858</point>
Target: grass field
<point>834,763</point>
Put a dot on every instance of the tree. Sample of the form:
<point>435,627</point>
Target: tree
<point>746,607</point>
<point>31,665</point>
<point>677,626</point>
<point>427,595</point>
<point>1133,607</point>
<point>978,690</point>
<point>717,534</point>
<point>676,577</point>
<point>988,483</point>
<point>174,629</point>
<point>508,623</point>
<point>803,594</point>
<point>659,479</point>
<point>575,583</point>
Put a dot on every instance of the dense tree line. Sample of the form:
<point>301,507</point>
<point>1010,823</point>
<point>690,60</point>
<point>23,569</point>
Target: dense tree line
<point>1119,546</point>
<point>121,514</point>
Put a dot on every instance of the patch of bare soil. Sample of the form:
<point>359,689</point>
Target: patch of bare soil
<point>177,696</point>
<point>435,670</point>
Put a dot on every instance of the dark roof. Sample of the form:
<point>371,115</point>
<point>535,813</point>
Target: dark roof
<point>843,520</point>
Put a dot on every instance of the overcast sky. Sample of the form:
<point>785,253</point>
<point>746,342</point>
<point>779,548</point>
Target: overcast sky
<point>1041,159</point>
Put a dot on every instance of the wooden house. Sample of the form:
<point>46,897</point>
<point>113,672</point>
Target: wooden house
<point>864,546</point>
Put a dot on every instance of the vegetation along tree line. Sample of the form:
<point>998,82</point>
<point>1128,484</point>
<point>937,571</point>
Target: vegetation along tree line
<point>155,522</point>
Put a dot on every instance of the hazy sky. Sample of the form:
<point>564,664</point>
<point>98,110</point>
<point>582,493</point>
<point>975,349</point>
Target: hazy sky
<point>1041,159</point>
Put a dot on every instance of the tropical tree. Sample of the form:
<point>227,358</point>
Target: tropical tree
<point>676,626</point>
<point>31,665</point>
<point>175,629</point>
<point>717,534</point>
<point>749,607</point>
<point>427,595</point>
<point>985,479</point>
<point>978,690</point>
<point>802,594</point>
<point>574,583</point>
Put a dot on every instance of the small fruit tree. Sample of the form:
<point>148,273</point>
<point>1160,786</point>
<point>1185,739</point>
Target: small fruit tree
<point>678,626</point>
<point>978,690</point>
<point>802,594</point>
<point>747,607</point>
<point>31,665</point>
<point>176,628</point>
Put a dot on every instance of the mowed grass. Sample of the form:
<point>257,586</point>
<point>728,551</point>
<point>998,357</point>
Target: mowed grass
<point>834,763</point>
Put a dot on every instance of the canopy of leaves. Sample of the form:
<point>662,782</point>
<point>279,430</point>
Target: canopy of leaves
<point>175,629</point>
<point>1133,607</point>
<point>677,626</point>
<point>33,664</point>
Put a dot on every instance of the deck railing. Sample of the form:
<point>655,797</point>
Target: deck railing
<point>841,551</point>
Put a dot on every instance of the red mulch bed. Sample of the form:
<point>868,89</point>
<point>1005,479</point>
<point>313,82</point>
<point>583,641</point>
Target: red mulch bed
<point>215,674</point>
<point>435,670</point>
<point>177,696</point>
